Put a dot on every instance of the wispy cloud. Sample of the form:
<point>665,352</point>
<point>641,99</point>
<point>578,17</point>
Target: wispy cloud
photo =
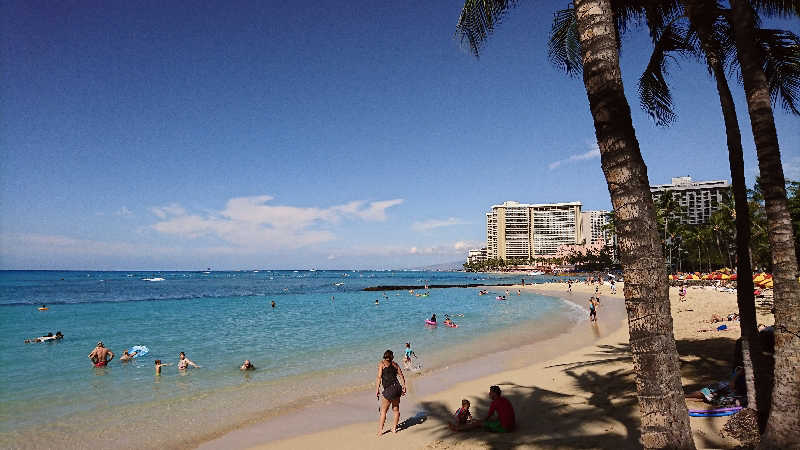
<point>249,222</point>
<point>427,225</point>
<point>458,248</point>
<point>123,212</point>
<point>172,209</point>
<point>593,153</point>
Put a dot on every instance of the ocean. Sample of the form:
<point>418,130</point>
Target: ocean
<point>322,339</point>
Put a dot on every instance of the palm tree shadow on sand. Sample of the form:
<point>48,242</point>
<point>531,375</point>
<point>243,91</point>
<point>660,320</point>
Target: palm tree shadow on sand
<point>602,414</point>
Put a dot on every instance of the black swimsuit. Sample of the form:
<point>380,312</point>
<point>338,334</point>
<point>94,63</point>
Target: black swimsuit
<point>391,387</point>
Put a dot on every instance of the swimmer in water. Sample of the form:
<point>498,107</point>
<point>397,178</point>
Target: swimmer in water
<point>159,365</point>
<point>184,362</point>
<point>247,365</point>
<point>101,356</point>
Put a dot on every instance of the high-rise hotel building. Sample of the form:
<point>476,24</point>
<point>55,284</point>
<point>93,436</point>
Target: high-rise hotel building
<point>595,230</point>
<point>522,231</point>
<point>699,199</point>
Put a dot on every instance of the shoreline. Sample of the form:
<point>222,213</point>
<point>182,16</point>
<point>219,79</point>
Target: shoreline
<point>358,408</point>
<point>584,398</point>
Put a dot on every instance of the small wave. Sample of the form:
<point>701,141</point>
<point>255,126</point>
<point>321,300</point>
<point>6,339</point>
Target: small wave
<point>579,312</point>
<point>153,279</point>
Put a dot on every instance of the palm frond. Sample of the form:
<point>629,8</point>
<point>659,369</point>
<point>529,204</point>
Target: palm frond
<point>778,8</point>
<point>655,97</point>
<point>478,20</point>
<point>564,45</point>
<point>781,63</point>
<point>630,14</point>
<point>723,35</point>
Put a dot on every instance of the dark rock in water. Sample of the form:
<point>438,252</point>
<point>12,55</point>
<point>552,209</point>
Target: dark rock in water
<point>743,426</point>
<point>432,286</point>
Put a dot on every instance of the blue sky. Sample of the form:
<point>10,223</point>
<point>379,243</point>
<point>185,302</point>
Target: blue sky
<point>166,135</point>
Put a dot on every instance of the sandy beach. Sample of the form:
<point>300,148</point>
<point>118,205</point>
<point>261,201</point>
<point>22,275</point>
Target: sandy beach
<point>565,397</point>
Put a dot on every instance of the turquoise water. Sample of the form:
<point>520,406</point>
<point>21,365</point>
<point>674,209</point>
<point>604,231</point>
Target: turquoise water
<point>321,338</point>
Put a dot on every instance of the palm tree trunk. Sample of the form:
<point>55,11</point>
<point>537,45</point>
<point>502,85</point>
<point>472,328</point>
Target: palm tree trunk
<point>754,364</point>
<point>665,420</point>
<point>783,425</point>
<point>753,361</point>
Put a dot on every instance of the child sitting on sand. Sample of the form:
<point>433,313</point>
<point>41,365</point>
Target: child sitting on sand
<point>461,417</point>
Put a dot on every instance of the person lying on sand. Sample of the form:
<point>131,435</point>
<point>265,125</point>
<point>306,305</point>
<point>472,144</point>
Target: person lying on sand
<point>719,328</point>
<point>724,392</point>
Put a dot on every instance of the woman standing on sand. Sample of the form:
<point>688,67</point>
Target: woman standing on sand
<point>388,370</point>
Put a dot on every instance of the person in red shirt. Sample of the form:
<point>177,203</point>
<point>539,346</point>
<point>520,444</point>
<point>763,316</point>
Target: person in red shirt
<point>500,406</point>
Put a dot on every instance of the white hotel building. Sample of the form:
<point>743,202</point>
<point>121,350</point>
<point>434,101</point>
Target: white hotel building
<point>523,231</point>
<point>700,199</point>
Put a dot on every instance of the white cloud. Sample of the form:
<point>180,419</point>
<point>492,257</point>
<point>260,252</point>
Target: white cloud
<point>173,209</point>
<point>593,153</point>
<point>330,257</point>
<point>427,225</point>
<point>124,212</point>
<point>458,248</point>
<point>249,222</point>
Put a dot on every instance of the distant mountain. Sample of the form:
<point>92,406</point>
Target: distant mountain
<point>443,267</point>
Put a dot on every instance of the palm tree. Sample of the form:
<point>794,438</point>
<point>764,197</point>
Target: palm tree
<point>668,210</point>
<point>779,55</point>
<point>664,414</point>
<point>784,418</point>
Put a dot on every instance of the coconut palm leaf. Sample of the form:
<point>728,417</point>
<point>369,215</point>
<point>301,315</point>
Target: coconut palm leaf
<point>780,53</point>
<point>779,8</point>
<point>564,46</point>
<point>781,63</point>
<point>478,20</point>
<point>655,96</point>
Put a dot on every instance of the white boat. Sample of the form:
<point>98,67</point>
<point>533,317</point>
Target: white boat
<point>536,272</point>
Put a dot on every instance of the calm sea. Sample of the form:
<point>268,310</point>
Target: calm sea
<point>323,338</point>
